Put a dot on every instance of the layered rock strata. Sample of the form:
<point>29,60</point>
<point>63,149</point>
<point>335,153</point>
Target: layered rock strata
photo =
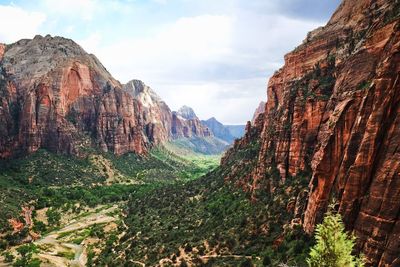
<point>333,115</point>
<point>54,95</point>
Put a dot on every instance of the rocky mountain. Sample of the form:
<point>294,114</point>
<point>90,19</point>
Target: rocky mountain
<point>54,95</point>
<point>219,129</point>
<point>185,123</point>
<point>236,131</point>
<point>259,110</point>
<point>227,133</point>
<point>157,116</point>
<point>332,117</point>
<point>187,113</point>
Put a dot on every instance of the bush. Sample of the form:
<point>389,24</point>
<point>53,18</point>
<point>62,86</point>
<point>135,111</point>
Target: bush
<point>8,257</point>
<point>267,261</point>
<point>334,246</point>
<point>246,263</point>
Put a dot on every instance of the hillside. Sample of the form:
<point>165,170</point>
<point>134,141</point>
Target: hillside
<point>332,116</point>
<point>55,96</point>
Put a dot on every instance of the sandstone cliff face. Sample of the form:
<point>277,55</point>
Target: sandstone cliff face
<point>160,123</point>
<point>156,115</point>
<point>259,111</point>
<point>333,115</point>
<point>186,124</point>
<point>54,95</point>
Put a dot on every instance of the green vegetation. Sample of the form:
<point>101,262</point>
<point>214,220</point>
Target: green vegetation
<point>25,258</point>
<point>207,216</point>
<point>205,145</point>
<point>69,184</point>
<point>334,246</point>
<point>174,208</point>
<point>364,85</point>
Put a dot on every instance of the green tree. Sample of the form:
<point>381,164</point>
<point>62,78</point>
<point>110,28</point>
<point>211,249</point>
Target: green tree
<point>53,217</point>
<point>334,246</point>
<point>25,260</point>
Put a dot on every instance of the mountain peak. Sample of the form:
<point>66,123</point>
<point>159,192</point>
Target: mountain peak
<point>259,110</point>
<point>212,119</point>
<point>187,113</point>
<point>137,88</point>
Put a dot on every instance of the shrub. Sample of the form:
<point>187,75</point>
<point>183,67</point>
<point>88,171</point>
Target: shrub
<point>334,246</point>
<point>267,261</point>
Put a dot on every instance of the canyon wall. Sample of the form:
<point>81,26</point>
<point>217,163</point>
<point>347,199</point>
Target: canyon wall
<point>186,124</point>
<point>54,95</point>
<point>332,115</point>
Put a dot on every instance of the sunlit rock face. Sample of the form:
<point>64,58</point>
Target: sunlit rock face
<point>161,124</point>
<point>54,95</point>
<point>186,124</point>
<point>333,113</point>
<point>157,116</point>
<point>259,111</point>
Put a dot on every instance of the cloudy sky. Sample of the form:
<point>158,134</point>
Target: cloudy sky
<point>213,55</point>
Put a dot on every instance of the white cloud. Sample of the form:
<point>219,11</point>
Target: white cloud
<point>91,43</point>
<point>83,9</point>
<point>232,102</point>
<point>217,58</point>
<point>173,49</point>
<point>219,65</point>
<point>17,23</point>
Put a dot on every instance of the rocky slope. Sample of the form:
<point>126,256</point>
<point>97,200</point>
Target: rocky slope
<point>218,129</point>
<point>185,123</point>
<point>259,110</point>
<point>333,116</point>
<point>237,130</point>
<point>54,95</point>
<point>157,116</point>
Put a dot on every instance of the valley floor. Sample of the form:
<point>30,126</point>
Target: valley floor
<point>164,209</point>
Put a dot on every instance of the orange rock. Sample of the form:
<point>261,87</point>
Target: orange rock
<point>16,225</point>
<point>63,95</point>
<point>333,112</point>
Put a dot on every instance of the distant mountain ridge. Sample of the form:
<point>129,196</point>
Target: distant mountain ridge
<point>54,95</point>
<point>227,133</point>
<point>259,110</point>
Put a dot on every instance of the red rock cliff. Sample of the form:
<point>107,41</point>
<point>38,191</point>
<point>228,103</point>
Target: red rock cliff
<point>186,124</point>
<point>157,116</point>
<point>54,95</point>
<point>333,114</point>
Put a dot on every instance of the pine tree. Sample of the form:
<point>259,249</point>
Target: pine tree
<point>334,246</point>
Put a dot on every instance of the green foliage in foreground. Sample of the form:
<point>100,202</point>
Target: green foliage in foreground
<point>207,209</point>
<point>334,247</point>
<point>25,258</point>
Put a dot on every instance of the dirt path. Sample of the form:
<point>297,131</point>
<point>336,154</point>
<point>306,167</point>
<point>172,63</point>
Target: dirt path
<point>53,248</point>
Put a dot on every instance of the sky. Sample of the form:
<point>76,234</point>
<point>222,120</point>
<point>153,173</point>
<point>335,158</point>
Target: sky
<point>213,55</point>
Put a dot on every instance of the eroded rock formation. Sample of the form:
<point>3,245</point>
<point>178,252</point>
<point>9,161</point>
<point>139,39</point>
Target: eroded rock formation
<point>333,115</point>
<point>54,95</point>
<point>157,116</point>
<point>259,111</point>
<point>186,124</point>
